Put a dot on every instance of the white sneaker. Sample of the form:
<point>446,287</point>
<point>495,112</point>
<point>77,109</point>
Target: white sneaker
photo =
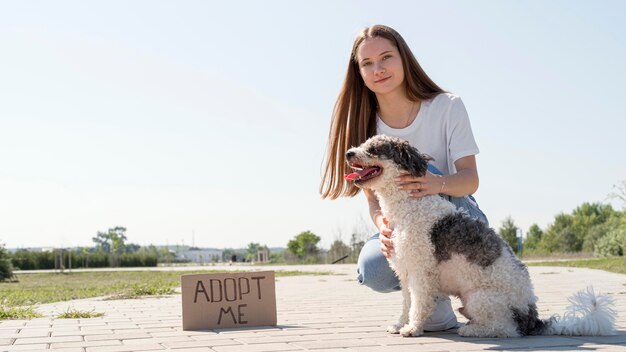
<point>443,318</point>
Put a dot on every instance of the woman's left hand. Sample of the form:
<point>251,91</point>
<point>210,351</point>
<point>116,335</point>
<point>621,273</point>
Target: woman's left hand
<point>419,187</point>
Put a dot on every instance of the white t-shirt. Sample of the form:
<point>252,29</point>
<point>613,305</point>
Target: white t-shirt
<point>441,129</point>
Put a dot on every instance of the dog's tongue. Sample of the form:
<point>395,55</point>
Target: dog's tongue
<point>352,177</point>
<point>359,174</point>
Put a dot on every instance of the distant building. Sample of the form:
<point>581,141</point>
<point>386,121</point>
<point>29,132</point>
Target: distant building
<point>201,255</point>
<point>262,256</point>
<point>31,249</point>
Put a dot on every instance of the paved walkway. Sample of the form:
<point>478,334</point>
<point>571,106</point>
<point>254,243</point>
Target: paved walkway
<point>315,313</point>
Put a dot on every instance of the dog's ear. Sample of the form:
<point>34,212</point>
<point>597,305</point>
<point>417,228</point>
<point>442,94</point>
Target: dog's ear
<point>411,160</point>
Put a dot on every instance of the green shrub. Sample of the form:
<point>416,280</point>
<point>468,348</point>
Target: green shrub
<point>71,313</point>
<point>6,269</point>
<point>138,259</point>
<point>612,243</point>
<point>25,260</point>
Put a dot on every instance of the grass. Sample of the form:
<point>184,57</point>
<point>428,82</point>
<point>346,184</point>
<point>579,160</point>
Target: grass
<point>143,289</point>
<point>18,313</point>
<point>611,264</point>
<point>78,314</point>
<point>46,288</point>
<point>40,288</point>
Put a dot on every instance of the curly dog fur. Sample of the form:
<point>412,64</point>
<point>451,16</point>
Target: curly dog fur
<point>439,250</point>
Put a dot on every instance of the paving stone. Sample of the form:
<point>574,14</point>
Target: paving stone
<point>30,347</point>
<point>303,332</point>
<point>270,347</point>
<point>88,327</point>
<point>82,344</point>
<point>277,339</point>
<point>127,348</point>
<point>32,340</point>
<point>203,343</point>
<point>620,338</point>
<point>343,343</point>
<point>181,333</point>
<point>82,332</point>
<point>117,336</point>
<point>34,332</point>
<point>122,326</point>
<point>162,340</point>
<point>323,314</point>
<point>228,336</point>
<point>605,348</point>
<point>397,348</point>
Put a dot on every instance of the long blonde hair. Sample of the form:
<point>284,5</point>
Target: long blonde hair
<point>354,114</point>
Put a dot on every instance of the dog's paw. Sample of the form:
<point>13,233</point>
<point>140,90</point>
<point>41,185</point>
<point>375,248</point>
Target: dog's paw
<point>466,331</point>
<point>395,328</point>
<point>411,330</point>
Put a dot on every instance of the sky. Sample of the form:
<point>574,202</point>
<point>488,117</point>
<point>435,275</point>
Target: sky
<point>206,122</point>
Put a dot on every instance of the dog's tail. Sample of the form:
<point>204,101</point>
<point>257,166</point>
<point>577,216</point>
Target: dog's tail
<point>588,315</point>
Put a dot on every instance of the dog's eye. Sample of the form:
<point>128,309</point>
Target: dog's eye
<point>377,154</point>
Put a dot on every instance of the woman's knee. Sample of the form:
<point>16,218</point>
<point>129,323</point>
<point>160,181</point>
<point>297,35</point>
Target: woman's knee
<point>373,268</point>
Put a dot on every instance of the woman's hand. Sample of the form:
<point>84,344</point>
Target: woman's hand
<point>386,244</point>
<point>420,186</point>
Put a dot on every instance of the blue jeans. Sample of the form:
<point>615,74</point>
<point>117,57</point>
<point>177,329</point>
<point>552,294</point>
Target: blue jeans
<point>373,269</point>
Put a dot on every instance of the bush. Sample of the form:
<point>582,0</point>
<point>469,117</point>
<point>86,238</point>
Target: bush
<point>6,269</point>
<point>45,260</point>
<point>138,259</point>
<point>32,260</point>
<point>612,243</point>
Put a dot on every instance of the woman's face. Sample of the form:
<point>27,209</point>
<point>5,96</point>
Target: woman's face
<point>380,66</point>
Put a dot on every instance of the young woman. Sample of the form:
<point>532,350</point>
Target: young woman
<point>387,92</point>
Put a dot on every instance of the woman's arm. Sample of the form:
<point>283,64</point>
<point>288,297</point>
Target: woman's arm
<point>374,206</point>
<point>382,224</point>
<point>463,183</point>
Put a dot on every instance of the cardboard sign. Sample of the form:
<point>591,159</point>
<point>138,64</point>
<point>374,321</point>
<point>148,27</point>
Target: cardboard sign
<point>228,300</point>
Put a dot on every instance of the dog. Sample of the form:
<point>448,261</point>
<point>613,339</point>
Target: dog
<point>441,251</point>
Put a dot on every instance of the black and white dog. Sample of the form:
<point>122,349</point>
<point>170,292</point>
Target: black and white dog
<point>439,250</point>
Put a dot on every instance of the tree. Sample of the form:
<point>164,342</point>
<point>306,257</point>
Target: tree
<point>338,250</point>
<point>620,192</point>
<point>533,237</point>
<point>508,232</point>
<point>253,249</point>
<point>304,246</point>
<point>361,232</point>
<point>579,230</point>
<point>555,237</point>
<point>6,269</point>
<point>165,255</point>
<point>131,248</point>
<point>587,216</point>
<point>236,255</point>
<point>357,244</point>
<point>612,243</point>
<point>597,232</point>
<point>111,241</point>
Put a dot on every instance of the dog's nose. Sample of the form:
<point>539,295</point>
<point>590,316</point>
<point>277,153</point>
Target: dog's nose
<point>349,154</point>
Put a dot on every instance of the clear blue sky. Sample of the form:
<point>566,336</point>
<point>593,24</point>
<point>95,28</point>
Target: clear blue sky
<point>208,120</point>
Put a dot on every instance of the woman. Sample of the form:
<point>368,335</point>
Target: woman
<point>387,92</point>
